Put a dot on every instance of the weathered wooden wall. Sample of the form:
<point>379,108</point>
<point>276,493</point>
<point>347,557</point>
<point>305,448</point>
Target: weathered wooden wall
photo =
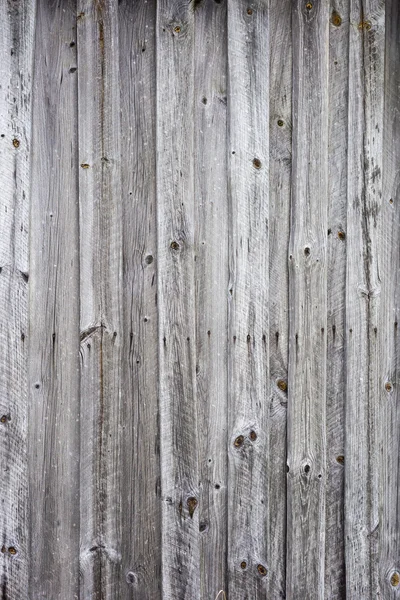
<point>199,299</point>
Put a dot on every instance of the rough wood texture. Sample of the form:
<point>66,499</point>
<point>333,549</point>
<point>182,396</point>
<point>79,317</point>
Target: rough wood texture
<point>248,341</point>
<point>16,53</point>
<point>53,447</point>
<point>141,510</point>
<point>389,263</point>
<point>363,380</point>
<point>308,303</point>
<point>211,285</point>
<point>199,256</point>
<point>100,297</point>
<point>336,298</point>
<point>280,169</point>
<point>176,301</point>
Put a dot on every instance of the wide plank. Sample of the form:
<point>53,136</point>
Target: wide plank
<point>176,301</point>
<point>16,51</point>
<point>248,354</point>
<point>53,432</point>
<point>140,496</point>
<point>306,461</point>
<point>336,300</point>
<point>280,170</point>
<point>100,223</point>
<point>363,292</point>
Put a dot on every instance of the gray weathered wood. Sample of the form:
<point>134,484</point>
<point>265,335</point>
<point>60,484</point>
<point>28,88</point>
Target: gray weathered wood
<point>389,264</point>
<point>211,281</point>
<point>365,125</point>
<point>248,361</point>
<point>336,300</point>
<point>308,303</point>
<point>16,53</point>
<point>140,497</point>
<point>100,298</point>
<point>280,166</point>
<point>176,300</point>
<point>53,447</point>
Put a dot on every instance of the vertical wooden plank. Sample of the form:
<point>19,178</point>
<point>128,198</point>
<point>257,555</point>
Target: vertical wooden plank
<point>100,287</point>
<point>16,49</point>
<point>248,152</point>
<point>211,277</point>
<point>176,300</point>
<point>280,167</point>
<point>308,303</point>
<point>366,68</point>
<point>54,310</point>
<point>336,358</point>
<point>140,497</point>
<point>389,269</point>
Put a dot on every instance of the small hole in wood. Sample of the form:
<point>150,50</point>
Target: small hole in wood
<point>391,201</point>
<point>249,11</point>
<point>395,579</point>
<point>341,235</point>
<point>238,441</point>
<point>204,100</point>
<point>309,6</point>
<point>257,163</point>
<point>217,486</point>
<point>37,385</point>
<point>307,251</point>
<point>340,459</point>
<point>243,564</point>
<point>12,550</point>
<point>282,385</point>
<point>280,123</point>
<point>203,526</point>
<point>84,166</point>
<point>336,19</point>
<point>177,29</point>
<point>3,419</point>
<point>174,245</point>
<point>72,44</point>
<point>72,70</point>
<point>307,469</point>
<point>15,143</point>
<point>131,578</point>
<point>262,570</point>
<point>388,386</point>
<point>253,436</point>
<point>149,259</point>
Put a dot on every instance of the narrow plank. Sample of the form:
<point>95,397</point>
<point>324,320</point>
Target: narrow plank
<point>280,167</point>
<point>140,497</point>
<point>16,50</point>
<point>100,219</point>
<point>389,266</point>
<point>366,71</point>
<point>211,276</point>
<point>53,447</point>
<point>308,303</point>
<point>176,300</point>
<point>248,361</point>
<point>336,358</point>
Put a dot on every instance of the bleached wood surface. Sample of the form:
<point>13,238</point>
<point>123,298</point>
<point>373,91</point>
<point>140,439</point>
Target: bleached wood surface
<point>199,242</point>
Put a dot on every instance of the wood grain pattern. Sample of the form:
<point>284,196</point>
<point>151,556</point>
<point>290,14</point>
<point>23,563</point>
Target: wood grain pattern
<point>53,432</point>
<point>389,242</point>
<point>16,53</point>
<point>308,304</point>
<point>199,355</point>
<point>100,298</point>
<point>211,286</point>
<point>280,168</point>
<point>141,509</point>
<point>176,301</point>
<point>248,360</point>
<point>363,284</point>
<point>335,577</point>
